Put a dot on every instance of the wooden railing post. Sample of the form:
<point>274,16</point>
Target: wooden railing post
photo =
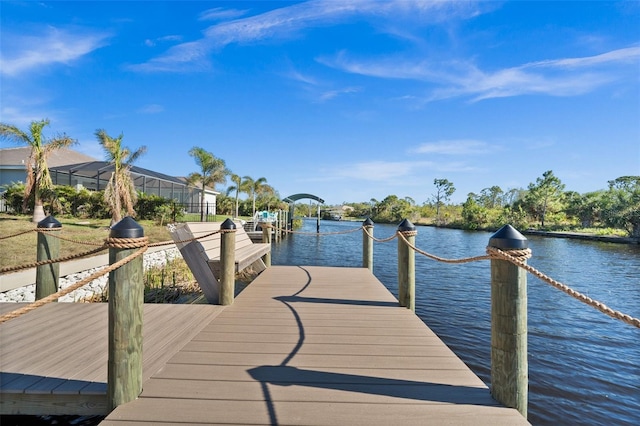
<point>367,244</point>
<point>48,276</point>
<point>126,297</point>
<point>407,266</point>
<point>227,262</point>
<point>266,238</point>
<point>509,366</point>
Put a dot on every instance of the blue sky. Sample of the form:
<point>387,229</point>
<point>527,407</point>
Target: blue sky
<point>347,100</point>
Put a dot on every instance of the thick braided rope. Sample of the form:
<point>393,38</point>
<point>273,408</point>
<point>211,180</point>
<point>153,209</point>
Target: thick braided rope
<point>403,236</point>
<point>49,261</point>
<point>16,235</point>
<point>129,243</point>
<point>171,242</point>
<point>500,254</point>
<point>71,240</point>
<point>126,243</point>
<point>378,240</point>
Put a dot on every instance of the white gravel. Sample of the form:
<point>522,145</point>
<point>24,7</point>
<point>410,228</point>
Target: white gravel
<point>97,286</point>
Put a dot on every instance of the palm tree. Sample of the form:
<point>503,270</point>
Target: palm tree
<point>240,186</point>
<point>120,192</point>
<point>212,171</point>
<point>254,187</point>
<point>39,182</point>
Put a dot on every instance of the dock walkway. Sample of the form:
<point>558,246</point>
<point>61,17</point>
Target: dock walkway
<point>53,360</point>
<point>314,346</point>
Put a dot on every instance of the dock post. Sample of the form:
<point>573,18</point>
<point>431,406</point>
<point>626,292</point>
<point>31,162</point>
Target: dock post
<point>509,365</point>
<point>47,276</point>
<point>227,262</point>
<point>367,244</point>
<point>126,297</point>
<point>407,266</point>
<point>266,238</point>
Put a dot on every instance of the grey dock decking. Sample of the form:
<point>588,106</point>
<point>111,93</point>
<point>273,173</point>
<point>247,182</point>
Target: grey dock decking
<point>314,346</point>
<point>53,360</point>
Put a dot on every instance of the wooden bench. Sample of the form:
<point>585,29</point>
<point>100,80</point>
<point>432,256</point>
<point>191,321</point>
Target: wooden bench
<point>203,255</point>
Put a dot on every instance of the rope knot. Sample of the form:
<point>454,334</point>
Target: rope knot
<point>519,255</point>
<point>126,243</point>
<point>408,233</point>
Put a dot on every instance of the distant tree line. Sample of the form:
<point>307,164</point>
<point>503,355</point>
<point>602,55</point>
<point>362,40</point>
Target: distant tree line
<point>544,205</point>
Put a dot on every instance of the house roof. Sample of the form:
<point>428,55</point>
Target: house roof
<point>93,168</point>
<point>59,157</point>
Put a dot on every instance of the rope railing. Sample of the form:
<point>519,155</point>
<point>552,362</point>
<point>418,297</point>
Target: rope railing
<point>99,247</point>
<point>628,319</point>
<point>127,243</point>
<point>50,261</point>
<point>517,257</point>
<point>6,237</point>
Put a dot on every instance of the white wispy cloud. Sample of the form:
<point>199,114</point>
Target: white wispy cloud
<point>454,147</point>
<point>557,77</point>
<point>220,14</point>
<point>288,22</point>
<point>302,78</point>
<point>151,109</point>
<point>24,53</point>
<point>168,38</point>
<point>392,171</point>
<point>330,94</point>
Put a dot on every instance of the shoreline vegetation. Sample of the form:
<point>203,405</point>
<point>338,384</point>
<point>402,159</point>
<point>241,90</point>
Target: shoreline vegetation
<point>592,234</point>
<point>21,250</point>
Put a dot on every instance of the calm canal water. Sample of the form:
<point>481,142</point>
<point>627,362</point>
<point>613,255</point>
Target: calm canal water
<point>583,366</point>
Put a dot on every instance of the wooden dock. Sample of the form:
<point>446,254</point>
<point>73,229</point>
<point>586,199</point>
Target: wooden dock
<point>300,346</point>
<point>54,360</point>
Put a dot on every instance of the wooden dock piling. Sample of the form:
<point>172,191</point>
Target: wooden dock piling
<point>267,229</point>
<point>367,244</point>
<point>227,262</point>
<point>509,365</point>
<point>48,276</point>
<point>126,296</point>
<point>407,266</point>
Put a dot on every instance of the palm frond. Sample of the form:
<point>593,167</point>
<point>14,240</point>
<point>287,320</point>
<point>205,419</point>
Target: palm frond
<point>14,134</point>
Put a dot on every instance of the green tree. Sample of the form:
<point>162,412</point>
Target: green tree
<point>544,196</point>
<point>38,185</point>
<point>587,208</point>
<point>254,187</point>
<point>474,215</point>
<point>624,201</point>
<point>120,193</point>
<point>212,171</point>
<point>491,198</point>
<point>238,187</point>
<point>266,197</point>
<point>392,209</point>
<point>444,191</point>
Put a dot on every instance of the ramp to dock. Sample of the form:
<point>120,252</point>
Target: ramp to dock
<point>315,346</point>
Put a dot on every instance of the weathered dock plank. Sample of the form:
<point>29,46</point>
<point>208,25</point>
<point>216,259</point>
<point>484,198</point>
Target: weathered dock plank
<point>315,346</point>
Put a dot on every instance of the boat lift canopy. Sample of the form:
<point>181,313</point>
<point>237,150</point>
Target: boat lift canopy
<point>291,199</point>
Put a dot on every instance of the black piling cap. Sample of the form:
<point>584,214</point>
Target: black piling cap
<point>49,222</point>
<point>508,238</point>
<point>367,222</point>
<point>126,228</point>
<point>406,225</point>
<point>228,224</point>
